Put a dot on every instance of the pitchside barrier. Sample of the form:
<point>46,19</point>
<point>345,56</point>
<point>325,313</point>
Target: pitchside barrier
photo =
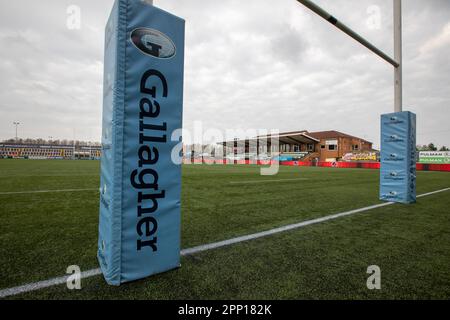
<point>223,161</point>
<point>336,164</point>
<point>139,229</point>
<point>364,165</point>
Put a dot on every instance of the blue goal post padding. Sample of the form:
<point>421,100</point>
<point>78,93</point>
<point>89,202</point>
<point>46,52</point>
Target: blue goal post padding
<point>139,228</point>
<point>398,157</point>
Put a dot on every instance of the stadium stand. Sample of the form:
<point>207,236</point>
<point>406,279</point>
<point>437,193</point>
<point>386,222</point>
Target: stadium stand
<point>24,151</point>
<point>322,146</point>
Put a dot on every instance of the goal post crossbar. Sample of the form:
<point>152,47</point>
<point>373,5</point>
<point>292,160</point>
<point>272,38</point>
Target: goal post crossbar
<point>396,62</point>
<point>338,24</point>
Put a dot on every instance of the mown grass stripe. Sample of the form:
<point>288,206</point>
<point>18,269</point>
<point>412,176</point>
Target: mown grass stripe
<point>265,181</point>
<point>185,252</point>
<point>48,191</point>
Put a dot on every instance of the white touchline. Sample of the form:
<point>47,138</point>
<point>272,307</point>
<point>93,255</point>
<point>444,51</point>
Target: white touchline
<point>260,181</point>
<point>185,252</point>
<point>47,191</point>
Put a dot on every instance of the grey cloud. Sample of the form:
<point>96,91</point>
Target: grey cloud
<point>255,63</point>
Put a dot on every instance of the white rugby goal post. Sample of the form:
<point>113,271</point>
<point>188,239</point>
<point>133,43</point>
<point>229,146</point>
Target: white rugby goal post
<point>396,62</point>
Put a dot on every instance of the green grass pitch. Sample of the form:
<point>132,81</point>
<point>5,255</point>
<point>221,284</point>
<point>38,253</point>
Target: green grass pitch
<point>41,234</point>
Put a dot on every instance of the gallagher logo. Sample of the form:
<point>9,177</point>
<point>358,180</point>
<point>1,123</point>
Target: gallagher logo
<point>153,43</point>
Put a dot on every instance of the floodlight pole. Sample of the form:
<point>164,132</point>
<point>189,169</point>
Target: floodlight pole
<point>396,62</point>
<point>16,124</point>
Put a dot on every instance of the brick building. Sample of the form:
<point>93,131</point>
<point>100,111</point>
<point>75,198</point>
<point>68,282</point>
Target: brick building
<point>333,145</point>
<point>301,145</point>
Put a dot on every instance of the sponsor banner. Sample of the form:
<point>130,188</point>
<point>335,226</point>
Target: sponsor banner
<point>139,229</point>
<point>366,156</point>
<point>434,156</point>
<point>398,157</point>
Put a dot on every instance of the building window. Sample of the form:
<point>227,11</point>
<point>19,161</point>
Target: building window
<point>332,147</point>
<point>322,146</point>
<point>355,147</point>
<point>310,147</point>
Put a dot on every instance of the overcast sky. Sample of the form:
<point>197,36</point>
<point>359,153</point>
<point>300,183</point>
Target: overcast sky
<point>249,64</point>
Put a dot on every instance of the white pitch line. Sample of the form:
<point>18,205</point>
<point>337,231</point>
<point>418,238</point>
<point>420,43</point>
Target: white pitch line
<point>185,252</point>
<point>47,191</point>
<point>264,181</point>
<point>45,284</point>
<point>432,192</point>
